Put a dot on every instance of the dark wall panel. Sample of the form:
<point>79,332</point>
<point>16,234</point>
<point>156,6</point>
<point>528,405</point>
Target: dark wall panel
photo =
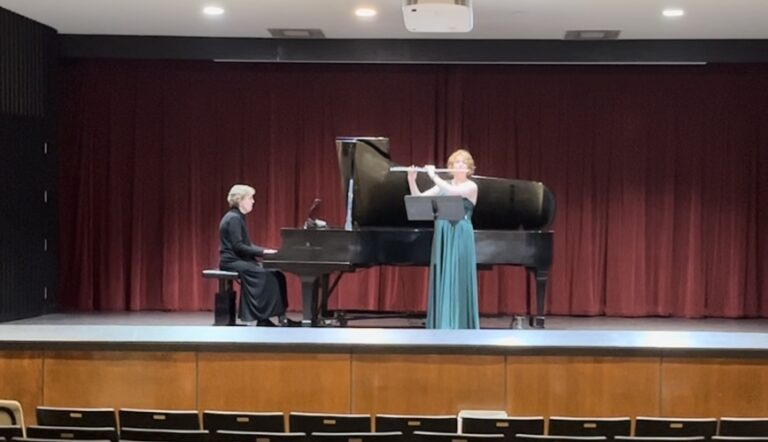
<point>28,180</point>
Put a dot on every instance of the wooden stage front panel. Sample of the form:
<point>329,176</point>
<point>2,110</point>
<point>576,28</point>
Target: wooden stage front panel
<point>582,386</point>
<point>349,382</point>
<point>426,384</point>
<point>285,382</point>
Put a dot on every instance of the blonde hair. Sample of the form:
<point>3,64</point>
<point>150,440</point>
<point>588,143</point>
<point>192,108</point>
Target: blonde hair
<point>238,192</point>
<point>468,160</point>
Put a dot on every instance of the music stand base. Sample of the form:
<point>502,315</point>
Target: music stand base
<point>537,321</point>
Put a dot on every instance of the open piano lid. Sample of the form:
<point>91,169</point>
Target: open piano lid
<point>502,204</point>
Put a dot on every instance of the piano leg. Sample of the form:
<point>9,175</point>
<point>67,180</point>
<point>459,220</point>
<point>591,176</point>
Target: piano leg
<point>309,290</point>
<point>542,275</point>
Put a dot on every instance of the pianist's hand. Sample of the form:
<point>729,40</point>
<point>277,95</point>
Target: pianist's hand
<point>270,251</point>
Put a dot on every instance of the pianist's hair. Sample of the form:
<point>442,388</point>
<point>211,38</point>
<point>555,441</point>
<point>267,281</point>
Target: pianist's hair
<point>468,160</point>
<point>238,192</point>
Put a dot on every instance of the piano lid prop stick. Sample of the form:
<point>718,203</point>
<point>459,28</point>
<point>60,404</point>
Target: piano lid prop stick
<point>422,169</point>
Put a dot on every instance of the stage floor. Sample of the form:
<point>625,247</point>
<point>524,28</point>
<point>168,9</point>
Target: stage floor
<point>183,331</point>
<point>502,322</point>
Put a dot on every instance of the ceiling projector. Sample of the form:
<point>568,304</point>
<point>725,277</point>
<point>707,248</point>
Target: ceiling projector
<point>437,15</point>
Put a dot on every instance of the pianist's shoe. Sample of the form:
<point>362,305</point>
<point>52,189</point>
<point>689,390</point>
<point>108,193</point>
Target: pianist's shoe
<point>288,322</point>
<point>265,323</point>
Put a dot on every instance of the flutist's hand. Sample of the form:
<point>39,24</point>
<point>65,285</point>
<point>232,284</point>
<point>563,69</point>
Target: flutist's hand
<point>430,170</point>
<point>412,174</point>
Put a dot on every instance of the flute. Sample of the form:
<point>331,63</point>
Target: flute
<point>422,169</point>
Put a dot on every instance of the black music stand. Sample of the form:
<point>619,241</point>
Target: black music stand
<point>428,208</point>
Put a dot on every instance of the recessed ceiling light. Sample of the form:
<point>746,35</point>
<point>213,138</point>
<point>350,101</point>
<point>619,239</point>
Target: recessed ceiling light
<point>673,12</point>
<point>365,12</point>
<point>213,10</point>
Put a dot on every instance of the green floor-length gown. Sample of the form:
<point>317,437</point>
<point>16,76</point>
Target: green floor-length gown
<point>452,302</point>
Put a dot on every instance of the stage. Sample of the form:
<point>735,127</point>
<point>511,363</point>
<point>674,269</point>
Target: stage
<point>574,367</point>
<point>584,335</point>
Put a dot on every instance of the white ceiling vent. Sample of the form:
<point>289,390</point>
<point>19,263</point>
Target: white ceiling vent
<point>592,35</point>
<point>438,15</point>
<point>296,33</point>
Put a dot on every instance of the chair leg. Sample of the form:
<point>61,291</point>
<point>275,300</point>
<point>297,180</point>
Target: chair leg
<point>224,309</point>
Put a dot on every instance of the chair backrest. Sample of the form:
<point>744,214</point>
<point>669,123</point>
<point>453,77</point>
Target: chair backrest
<point>81,433</point>
<point>159,419</point>
<point>161,435</point>
<point>329,423</point>
<point>590,426</point>
<point>675,427</point>
<point>496,414</point>
<point>407,424</point>
<point>508,426</point>
<point>383,436</point>
<point>76,417</point>
<point>31,439</point>
<point>11,413</point>
<point>743,426</point>
<point>11,431</point>
<point>434,436</point>
<point>740,438</point>
<point>214,421</point>
<point>554,438</point>
<point>258,436</point>
<point>660,439</point>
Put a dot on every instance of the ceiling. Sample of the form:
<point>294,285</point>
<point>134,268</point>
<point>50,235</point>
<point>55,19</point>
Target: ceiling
<point>493,19</point>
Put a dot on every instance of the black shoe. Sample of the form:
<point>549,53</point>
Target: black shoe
<point>288,322</point>
<point>265,323</point>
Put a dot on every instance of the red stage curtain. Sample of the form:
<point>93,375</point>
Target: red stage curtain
<point>660,175</point>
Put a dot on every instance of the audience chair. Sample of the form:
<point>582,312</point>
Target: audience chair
<point>383,436</point>
<point>508,426</point>
<point>159,419</point>
<point>76,417</point>
<point>11,431</point>
<point>30,439</point>
<point>161,435</point>
<point>496,414</point>
<point>739,439</point>
<point>743,426</point>
<point>659,439</point>
<point>11,414</point>
<point>434,436</point>
<point>407,424</point>
<point>258,436</point>
<point>673,427</point>
<point>214,421</point>
<point>540,438</point>
<point>329,423</point>
<point>81,433</point>
<point>590,426</point>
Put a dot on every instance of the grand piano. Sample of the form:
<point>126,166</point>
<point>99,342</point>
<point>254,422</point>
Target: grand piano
<point>510,220</point>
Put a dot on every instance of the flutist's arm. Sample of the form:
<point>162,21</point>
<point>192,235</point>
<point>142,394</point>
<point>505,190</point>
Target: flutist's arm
<point>466,189</point>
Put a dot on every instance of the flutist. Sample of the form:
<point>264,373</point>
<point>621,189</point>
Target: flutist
<point>452,300</point>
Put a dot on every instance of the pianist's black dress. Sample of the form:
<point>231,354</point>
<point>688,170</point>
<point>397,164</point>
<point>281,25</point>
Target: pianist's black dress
<point>263,291</point>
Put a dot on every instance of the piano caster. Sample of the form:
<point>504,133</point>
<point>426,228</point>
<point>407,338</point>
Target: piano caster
<point>341,320</point>
<point>536,321</point>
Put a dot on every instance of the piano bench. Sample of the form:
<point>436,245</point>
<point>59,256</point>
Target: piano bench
<point>224,310</point>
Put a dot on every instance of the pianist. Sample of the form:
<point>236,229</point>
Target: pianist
<point>263,293</point>
<point>452,300</point>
